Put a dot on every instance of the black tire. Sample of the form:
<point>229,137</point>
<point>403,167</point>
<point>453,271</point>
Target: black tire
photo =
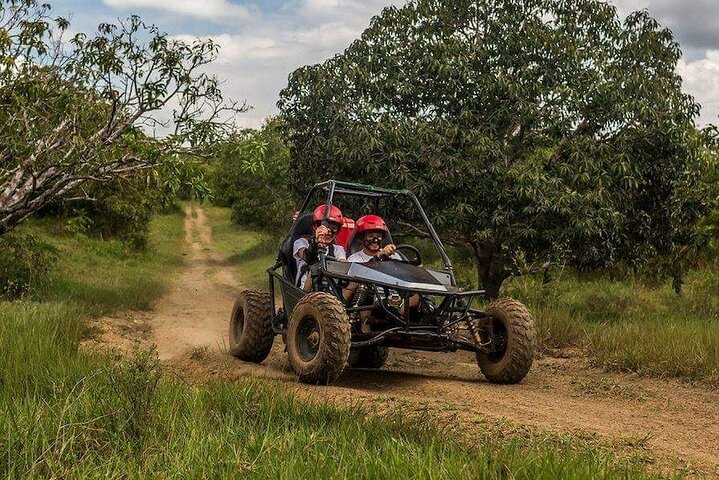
<point>251,333</point>
<point>515,335</point>
<point>369,357</point>
<point>318,338</point>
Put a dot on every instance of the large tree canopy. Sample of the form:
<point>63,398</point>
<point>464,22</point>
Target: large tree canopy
<point>532,130</point>
<point>81,108</point>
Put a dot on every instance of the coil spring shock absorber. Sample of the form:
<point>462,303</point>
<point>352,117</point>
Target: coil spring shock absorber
<point>360,295</point>
<point>474,330</point>
<point>358,298</point>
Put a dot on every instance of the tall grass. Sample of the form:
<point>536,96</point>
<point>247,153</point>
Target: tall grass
<point>121,422</point>
<point>626,325</point>
<point>249,251</point>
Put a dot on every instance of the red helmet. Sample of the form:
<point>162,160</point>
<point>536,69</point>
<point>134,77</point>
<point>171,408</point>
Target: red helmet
<point>335,215</point>
<point>369,223</point>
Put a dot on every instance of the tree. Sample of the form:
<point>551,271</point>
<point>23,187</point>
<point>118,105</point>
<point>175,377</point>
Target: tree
<point>251,175</point>
<point>533,130</point>
<point>81,109</point>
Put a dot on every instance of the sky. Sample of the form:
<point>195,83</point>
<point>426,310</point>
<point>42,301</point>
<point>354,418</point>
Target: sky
<point>263,41</point>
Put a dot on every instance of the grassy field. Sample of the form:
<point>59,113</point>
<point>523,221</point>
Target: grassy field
<point>250,251</point>
<point>628,326</point>
<point>69,414</point>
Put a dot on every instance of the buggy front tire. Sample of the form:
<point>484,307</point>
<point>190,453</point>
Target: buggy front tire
<point>513,342</point>
<point>318,338</point>
<point>251,333</point>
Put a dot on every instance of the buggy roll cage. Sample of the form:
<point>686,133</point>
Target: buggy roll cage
<point>359,190</point>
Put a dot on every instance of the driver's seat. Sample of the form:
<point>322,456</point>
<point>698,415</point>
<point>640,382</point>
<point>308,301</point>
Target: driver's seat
<point>302,227</point>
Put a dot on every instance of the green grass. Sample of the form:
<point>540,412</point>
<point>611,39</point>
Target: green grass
<point>39,337</point>
<point>249,251</point>
<point>123,428</point>
<point>66,413</point>
<point>628,326</point>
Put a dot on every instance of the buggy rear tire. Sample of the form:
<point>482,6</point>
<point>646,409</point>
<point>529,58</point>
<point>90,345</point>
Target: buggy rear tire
<point>373,356</point>
<point>514,340</point>
<point>318,338</point>
<point>251,333</point>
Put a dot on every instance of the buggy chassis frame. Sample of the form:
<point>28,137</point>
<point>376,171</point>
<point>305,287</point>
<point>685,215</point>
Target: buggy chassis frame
<point>431,332</point>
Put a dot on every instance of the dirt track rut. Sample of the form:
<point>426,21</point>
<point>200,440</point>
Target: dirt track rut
<point>675,424</point>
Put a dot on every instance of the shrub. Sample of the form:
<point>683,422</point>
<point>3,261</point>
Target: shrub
<point>118,209</point>
<point>25,262</point>
<point>252,176</point>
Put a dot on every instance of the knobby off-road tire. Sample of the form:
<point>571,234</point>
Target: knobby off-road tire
<point>318,338</point>
<point>515,332</point>
<point>369,357</point>
<point>251,333</point>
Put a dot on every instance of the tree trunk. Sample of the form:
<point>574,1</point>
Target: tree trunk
<point>491,271</point>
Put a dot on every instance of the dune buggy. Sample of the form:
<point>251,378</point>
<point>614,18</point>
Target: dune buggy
<point>322,331</point>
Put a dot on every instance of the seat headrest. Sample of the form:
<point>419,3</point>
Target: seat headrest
<point>301,228</point>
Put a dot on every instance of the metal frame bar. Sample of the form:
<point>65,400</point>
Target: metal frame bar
<point>370,190</point>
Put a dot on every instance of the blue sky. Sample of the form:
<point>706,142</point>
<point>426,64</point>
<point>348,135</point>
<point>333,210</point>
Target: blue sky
<point>261,42</point>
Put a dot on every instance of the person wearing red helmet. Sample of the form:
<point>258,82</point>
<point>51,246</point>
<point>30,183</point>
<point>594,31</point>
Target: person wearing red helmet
<point>306,249</point>
<point>371,231</point>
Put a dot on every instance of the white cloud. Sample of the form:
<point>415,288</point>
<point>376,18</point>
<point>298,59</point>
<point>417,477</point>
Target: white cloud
<point>256,58</point>
<point>217,10</point>
<point>701,80</point>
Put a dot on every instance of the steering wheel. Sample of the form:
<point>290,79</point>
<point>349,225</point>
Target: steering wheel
<point>417,260</point>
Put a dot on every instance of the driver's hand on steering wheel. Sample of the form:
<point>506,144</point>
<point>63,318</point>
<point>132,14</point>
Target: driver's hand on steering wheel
<point>386,251</point>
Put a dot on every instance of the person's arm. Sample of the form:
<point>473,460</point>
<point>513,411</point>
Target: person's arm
<point>386,252</point>
<point>299,248</point>
<point>309,249</point>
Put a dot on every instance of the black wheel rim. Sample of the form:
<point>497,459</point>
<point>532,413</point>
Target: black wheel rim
<point>308,338</point>
<point>499,341</point>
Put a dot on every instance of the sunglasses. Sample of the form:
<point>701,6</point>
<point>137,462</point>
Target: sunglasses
<point>373,235</point>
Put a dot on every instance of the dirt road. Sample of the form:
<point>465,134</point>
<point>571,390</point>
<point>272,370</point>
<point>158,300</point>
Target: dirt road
<point>670,422</point>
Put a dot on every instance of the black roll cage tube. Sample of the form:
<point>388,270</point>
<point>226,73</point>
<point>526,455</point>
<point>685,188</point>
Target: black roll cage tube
<point>347,188</point>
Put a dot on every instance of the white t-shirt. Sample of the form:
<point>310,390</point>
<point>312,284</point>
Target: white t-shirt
<point>362,257</point>
<point>300,243</point>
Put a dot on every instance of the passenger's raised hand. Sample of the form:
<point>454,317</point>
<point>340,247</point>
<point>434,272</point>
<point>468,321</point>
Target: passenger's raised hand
<point>323,236</point>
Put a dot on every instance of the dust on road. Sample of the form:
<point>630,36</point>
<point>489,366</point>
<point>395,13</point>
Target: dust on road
<point>675,423</point>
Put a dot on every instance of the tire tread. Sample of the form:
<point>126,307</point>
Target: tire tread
<point>523,346</point>
<point>255,342</point>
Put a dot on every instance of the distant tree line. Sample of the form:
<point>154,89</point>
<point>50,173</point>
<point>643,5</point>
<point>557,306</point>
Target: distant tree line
<point>252,176</point>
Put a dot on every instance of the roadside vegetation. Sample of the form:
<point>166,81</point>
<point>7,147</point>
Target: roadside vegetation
<point>68,413</point>
<point>627,325</point>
